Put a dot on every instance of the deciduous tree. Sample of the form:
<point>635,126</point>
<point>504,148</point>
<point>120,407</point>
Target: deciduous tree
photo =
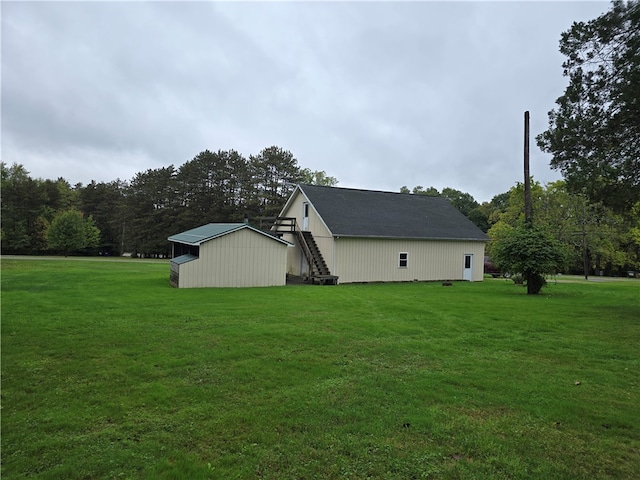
<point>70,231</point>
<point>594,132</point>
<point>318,177</point>
<point>530,251</point>
<point>464,202</point>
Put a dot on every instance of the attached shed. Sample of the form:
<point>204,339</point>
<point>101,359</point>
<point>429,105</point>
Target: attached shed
<point>372,236</point>
<point>227,255</point>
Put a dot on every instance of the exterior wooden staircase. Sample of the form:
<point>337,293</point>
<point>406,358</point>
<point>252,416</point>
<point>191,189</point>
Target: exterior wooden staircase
<point>312,252</point>
<point>318,270</point>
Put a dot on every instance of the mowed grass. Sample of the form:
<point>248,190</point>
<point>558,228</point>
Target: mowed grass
<point>108,372</point>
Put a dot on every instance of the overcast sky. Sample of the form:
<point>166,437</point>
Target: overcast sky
<point>378,95</point>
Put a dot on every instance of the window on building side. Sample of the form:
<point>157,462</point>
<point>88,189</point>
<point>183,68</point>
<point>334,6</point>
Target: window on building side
<point>403,260</point>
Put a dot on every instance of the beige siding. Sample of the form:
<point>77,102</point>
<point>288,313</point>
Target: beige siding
<point>240,259</point>
<point>375,260</point>
<point>294,254</point>
<point>321,234</point>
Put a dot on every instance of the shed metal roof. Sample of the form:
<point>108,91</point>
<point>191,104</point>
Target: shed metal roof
<point>187,257</point>
<point>204,233</point>
<point>367,213</point>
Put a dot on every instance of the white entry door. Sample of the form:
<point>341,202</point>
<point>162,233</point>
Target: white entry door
<point>467,271</point>
<point>305,216</point>
<point>304,265</point>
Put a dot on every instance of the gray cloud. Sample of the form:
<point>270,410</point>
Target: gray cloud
<point>379,94</point>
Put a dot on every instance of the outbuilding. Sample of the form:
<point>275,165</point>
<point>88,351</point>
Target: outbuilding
<point>355,235</point>
<point>227,255</point>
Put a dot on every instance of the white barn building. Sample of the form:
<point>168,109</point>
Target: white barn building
<point>350,235</point>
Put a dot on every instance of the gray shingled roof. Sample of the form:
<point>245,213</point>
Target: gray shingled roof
<point>366,213</point>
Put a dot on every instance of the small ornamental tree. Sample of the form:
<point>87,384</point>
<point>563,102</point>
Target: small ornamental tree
<point>529,251</point>
<point>70,232</point>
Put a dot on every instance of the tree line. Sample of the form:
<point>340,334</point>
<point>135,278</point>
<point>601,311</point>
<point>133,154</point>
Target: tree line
<point>137,216</point>
<point>111,218</point>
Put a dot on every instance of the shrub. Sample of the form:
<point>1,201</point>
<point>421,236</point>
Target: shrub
<point>531,252</point>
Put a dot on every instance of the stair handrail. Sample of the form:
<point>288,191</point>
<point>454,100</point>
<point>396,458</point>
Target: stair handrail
<point>316,256</point>
<point>306,250</point>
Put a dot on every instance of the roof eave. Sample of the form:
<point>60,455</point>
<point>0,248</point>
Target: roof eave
<point>226,232</point>
<point>203,240</point>
<point>289,200</point>
<point>383,237</point>
<point>302,192</point>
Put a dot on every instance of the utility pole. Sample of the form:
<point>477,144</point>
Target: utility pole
<point>527,179</point>
<point>583,234</point>
<point>585,256</point>
<point>122,245</point>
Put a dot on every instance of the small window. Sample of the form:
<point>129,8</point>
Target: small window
<point>403,260</point>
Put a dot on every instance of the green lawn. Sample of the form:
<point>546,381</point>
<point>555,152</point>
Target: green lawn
<point>107,372</point>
